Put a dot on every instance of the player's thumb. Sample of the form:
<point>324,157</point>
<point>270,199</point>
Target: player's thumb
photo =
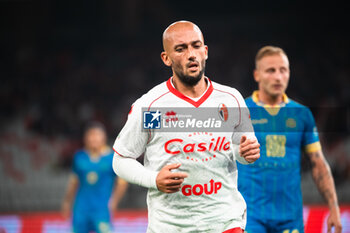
<point>243,139</point>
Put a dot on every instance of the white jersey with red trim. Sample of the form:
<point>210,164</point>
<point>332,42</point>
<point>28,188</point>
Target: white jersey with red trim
<point>208,200</point>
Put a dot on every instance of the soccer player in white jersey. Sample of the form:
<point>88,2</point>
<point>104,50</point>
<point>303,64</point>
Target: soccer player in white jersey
<point>191,176</point>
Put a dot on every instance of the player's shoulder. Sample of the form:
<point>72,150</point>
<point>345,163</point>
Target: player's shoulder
<point>153,94</point>
<point>303,111</point>
<point>80,154</point>
<point>249,101</point>
<point>227,90</point>
<point>107,156</point>
<point>252,102</point>
<point>224,88</point>
<point>108,152</point>
<point>296,104</point>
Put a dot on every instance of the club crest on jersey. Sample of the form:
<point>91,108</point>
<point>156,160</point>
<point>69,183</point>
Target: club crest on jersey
<point>152,119</point>
<point>291,123</point>
<point>223,112</point>
<point>92,177</point>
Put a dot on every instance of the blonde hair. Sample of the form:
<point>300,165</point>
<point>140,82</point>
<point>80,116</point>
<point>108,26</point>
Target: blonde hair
<point>268,51</point>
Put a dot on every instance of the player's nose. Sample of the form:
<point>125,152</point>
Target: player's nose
<point>191,53</point>
<point>278,76</point>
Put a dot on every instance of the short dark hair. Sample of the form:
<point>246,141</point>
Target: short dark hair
<point>94,125</point>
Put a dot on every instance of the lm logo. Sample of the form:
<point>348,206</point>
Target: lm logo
<point>152,119</point>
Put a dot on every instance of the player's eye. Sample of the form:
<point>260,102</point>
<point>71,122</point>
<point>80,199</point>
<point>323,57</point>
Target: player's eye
<point>180,48</point>
<point>197,45</point>
<point>283,70</point>
<point>271,70</point>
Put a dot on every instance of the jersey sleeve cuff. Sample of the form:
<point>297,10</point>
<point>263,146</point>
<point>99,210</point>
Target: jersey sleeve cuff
<point>313,147</point>
<point>238,157</point>
<point>153,178</point>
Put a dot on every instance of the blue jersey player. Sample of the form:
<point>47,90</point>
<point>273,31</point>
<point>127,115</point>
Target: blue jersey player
<point>93,185</point>
<point>284,128</point>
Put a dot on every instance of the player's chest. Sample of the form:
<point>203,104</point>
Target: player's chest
<point>87,165</point>
<point>278,134</point>
<point>192,146</point>
<point>283,122</point>
<point>173,115</point>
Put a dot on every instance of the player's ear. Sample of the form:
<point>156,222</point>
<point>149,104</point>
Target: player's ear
<point>165,58</point>
<point>256,75</point>
<point>206,52</point>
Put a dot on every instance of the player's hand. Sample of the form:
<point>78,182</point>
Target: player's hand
<point>249,149</point>
<point>168,181</point>
<point>334,220</point>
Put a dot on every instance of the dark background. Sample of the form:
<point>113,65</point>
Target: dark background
<point>64,63</point>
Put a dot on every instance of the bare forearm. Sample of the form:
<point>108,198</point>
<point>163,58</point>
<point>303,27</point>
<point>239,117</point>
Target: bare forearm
<point>119,191</point>
<point>71,189</point>
<point>322,176</point>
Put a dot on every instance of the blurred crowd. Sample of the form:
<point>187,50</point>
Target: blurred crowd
<point>66,72</point>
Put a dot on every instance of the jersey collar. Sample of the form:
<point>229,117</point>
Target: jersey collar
<point>272,110</point>
<point>255,97</point>
<point>104,151</point>
<point>189,100</point>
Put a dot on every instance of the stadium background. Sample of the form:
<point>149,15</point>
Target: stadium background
<point>64,63</point>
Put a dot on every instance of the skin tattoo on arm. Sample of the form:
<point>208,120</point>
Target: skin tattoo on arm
<point>323,178</point>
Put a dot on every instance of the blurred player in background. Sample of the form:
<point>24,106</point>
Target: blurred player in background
<point>271,186</point>
<point>192,184</point>
<point>93,186</point>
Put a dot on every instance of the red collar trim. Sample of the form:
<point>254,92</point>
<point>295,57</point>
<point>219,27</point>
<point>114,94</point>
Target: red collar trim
<point>182,96</point>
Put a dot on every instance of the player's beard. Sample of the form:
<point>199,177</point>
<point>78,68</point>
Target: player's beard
<point>190,80</point>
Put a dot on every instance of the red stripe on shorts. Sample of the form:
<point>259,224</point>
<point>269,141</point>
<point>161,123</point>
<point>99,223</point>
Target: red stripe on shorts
<point>234,230</point>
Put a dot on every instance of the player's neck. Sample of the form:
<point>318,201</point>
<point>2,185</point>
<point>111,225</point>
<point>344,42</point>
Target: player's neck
<point>190,91</point>
<point>269,99</point>
<point>96,152</point>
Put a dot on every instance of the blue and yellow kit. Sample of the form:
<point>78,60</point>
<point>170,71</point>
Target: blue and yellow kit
<point>96,181</point>
<point>271,186</point>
